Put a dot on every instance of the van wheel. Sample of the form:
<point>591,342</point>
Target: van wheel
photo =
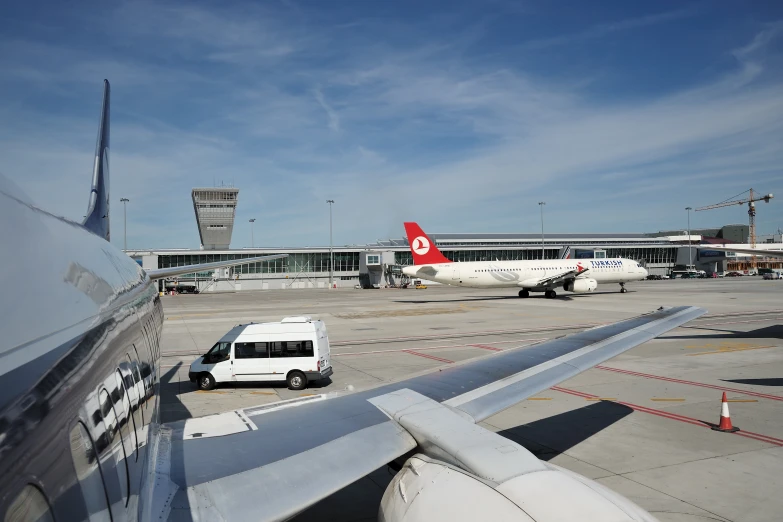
<point>206,381</point>
<point>297,381</point>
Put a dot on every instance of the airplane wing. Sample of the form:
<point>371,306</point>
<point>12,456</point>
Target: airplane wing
<point>159,273</point>
<point>757,251</point>
<point>555,280</point>
<point>273,461</point>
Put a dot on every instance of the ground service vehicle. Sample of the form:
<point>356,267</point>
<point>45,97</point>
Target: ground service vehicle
<point>294,350</point>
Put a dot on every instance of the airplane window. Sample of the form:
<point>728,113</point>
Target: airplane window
<point>140,380</point>
<point>30,505</point>
<point>122,407</point>
<point>132,400</point>
<point>118,450</point>
<point>85,461</point>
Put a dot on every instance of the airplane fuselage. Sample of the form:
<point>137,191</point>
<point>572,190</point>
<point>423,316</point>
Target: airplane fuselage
<point>527,274</point>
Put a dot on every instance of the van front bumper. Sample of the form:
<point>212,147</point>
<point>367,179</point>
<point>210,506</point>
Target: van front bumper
<point>192,376</point>
<point>315,376</point>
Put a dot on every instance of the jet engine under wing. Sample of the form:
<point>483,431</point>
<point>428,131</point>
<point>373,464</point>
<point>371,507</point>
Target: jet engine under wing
<point>279,459</point>
<point>555,280</point>
<point>159,273</point>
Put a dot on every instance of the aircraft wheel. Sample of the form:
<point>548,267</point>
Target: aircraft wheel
<point>550,294</point>
<point>297,381</point>
<point>524,293</point>
<point>206,381</point>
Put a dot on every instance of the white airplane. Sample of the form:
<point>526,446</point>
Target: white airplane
<point>574,275</point>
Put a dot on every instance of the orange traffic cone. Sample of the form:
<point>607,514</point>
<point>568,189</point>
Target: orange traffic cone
<point>725,419</point>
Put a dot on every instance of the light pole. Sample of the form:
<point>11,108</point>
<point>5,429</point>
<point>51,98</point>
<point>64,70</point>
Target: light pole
<point>252,240</point>
<point>331,253</point>
<point>690,249</point>
<point>124,202</point>
<point>541,204</point>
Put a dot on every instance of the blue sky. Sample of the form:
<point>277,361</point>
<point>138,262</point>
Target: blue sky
<point>459,115</point>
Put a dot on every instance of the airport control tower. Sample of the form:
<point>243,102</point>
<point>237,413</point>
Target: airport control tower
<point>215,209</point>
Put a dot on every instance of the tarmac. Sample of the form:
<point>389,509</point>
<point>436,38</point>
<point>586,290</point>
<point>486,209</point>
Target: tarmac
<point>639,423</point>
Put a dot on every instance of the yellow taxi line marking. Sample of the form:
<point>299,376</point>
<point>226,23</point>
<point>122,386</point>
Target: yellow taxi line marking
<point>539,398</point>
<point>308,395</point>
<point>742,400</point>
<point>211,391</point>
<point>661,399</point>
<point>262,393</point>
<point>726,350</point>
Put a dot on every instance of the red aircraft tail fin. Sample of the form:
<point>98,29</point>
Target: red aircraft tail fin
<point>422,247</point>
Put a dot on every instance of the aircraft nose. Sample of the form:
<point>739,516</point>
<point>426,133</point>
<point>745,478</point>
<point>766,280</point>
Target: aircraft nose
<point>644,273</point>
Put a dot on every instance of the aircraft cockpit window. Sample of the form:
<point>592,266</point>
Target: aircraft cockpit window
<point>85,461</point>
<point>30,505</point>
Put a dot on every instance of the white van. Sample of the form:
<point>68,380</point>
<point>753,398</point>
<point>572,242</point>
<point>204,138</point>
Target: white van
<point>295,350</point>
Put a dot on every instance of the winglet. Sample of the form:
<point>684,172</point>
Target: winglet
<point>422,247</point>
<point>97,218</point>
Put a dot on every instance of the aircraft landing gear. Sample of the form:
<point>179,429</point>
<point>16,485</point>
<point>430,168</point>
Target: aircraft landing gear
<point>622,288</point>
<point>524,293</point>
<point>550,294</point>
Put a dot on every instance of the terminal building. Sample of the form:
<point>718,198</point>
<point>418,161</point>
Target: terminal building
<point>379,264</point>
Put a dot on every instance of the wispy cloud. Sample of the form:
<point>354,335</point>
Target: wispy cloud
<point>607,29</point>
<point>334,118</point>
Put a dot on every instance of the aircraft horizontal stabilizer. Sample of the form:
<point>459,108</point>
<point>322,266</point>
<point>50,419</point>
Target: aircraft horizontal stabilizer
<point>160,273</point>
<point>757,251</point>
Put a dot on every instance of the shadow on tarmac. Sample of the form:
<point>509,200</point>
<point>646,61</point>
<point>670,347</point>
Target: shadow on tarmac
<point>173,409</point>
<point>549,437</point>
<point>772,381</point>
<point>560,297</point>
<point>768,332</point>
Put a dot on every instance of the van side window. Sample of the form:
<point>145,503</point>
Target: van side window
<point>291,349</point>
<point>250,351</point>
<point>30,505</point>
<point>85,461</point>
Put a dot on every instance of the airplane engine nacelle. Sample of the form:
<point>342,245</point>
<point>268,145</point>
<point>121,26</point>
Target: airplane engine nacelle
<point>427,490</point>
<point>581,286</point>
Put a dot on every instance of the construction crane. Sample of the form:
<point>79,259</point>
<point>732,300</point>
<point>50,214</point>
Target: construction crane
<point>750,200</point>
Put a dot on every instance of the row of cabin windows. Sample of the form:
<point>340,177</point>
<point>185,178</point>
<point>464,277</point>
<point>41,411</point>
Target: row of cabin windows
<point>520,269</point>
<point>31,504</point>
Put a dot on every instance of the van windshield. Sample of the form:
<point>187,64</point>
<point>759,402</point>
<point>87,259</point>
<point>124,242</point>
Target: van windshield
<point>219,352</point>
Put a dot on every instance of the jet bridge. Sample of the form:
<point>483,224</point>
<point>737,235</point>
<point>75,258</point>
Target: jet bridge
<point>377,269</point>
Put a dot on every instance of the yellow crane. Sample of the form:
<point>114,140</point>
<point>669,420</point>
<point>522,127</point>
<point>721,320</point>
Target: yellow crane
<point>750,200</point>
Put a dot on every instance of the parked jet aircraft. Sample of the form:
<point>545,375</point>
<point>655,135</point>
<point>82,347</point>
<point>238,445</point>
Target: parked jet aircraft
<point>80,432</point>
<point>573,275</point>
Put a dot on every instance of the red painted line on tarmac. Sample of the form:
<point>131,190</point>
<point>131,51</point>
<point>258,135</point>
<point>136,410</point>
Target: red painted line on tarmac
<point>691,383</point>
<point>675,416</point>
<point>428,356</point>
<point>486,347</point>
